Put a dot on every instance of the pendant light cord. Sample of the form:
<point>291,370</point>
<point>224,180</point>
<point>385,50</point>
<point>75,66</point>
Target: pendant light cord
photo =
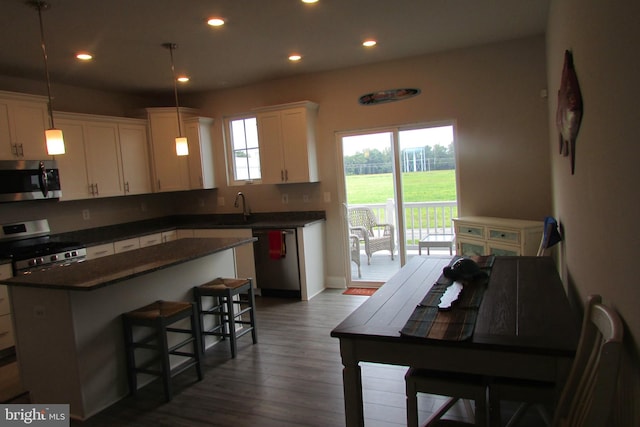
<point>43,5</point>
<point>171,47</point>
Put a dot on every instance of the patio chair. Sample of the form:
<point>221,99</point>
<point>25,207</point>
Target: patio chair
<point>376,237</point>
<point>355,251</point>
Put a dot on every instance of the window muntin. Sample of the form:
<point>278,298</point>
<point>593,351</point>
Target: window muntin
<point>245,149</point>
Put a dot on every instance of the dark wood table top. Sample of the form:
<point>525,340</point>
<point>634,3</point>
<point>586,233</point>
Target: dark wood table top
<point>524,309</point>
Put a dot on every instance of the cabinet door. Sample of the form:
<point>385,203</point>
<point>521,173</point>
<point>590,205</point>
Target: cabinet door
<point>201,171</point>
<point>126,245</point>
<point>295,150</point>
<point>135,159</point>
<point>27,124</point>
<point>171,172</point>
<point>470,247</point>
<point>270,137</point>
<point>74,178</point>
<point>103,159</point>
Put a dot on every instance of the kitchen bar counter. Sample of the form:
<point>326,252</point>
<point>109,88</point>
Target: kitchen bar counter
<point>68,322</point>
<point>96,273</point>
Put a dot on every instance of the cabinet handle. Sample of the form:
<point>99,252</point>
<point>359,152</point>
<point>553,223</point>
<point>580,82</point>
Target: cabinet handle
<point>159,186</point>
<point>14,149</point>
<point>126,187</point>
<point>127,246</point>
<point>91,189</point>
<point>21,151</point>
<point>101,252</point>
<point>4,333</point>
<point>281,174</point>
<point>286,175</point>
<point>97,191</point>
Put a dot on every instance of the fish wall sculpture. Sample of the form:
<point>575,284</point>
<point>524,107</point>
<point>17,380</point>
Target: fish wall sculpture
<point>569,113</point>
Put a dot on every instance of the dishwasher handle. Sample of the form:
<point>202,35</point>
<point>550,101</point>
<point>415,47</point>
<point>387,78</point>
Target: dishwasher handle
<point>265,232</point>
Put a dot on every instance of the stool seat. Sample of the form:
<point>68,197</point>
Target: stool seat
<point>164,309</point>
<point>227,293</point>
<point>160,316</point>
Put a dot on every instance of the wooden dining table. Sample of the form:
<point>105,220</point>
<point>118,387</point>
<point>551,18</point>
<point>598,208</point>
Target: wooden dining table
<point>525,327</point>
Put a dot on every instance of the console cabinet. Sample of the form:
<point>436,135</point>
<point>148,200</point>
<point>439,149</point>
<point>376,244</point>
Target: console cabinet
<point>287,143</point>
<point>476,235</point>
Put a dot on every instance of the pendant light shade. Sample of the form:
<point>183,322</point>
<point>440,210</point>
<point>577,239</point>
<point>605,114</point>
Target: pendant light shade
<point>53,136</point>
<point>182,145</point>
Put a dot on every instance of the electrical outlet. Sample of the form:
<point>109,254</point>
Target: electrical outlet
<point>86,215</point>
<point>285,199</point>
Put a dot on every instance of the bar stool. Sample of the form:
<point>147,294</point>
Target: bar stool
<point>224,305</point>
<point>159,316</point>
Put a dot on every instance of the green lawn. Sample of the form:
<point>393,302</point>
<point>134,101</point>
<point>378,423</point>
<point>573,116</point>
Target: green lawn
<point>434,186</point>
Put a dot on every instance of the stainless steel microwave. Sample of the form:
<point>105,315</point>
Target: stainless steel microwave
<point>29,180</point>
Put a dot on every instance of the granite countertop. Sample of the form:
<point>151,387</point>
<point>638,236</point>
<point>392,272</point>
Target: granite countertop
<point>96,236</point>
<point>96,273</point>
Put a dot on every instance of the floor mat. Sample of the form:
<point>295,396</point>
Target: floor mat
<point>360,291</point>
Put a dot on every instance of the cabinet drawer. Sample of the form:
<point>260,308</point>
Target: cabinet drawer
<point>6,271</point>
<point>470,230</point>
<point>150,240</point>
<point>168,236</point>
<point>99,251</point>
<point>5,308</point>
<point>126,245</point>
<point>6,332</point>
<point>504,235</point>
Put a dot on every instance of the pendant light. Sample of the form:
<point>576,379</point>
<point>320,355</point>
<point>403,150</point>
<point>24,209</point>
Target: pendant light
<point>182,146</point>
<point>53,136</point>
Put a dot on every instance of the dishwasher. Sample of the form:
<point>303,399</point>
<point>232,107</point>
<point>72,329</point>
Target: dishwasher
<point>277,274</point>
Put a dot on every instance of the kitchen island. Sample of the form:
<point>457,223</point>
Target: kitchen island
<point>67,319</point>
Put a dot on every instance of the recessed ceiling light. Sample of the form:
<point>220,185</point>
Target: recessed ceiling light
<point>183,79</point>
<point>295,57</point>
<point>309,1</point>
<point>215,22</point>
<point>369,43</point>
<point>84,56</point>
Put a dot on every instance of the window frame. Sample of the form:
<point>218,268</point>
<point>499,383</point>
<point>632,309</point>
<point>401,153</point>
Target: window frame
<point>229,148</point>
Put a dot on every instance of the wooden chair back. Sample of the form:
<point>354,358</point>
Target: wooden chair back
<point>587,396</point>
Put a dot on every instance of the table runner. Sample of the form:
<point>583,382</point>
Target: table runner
<point>457,323</point>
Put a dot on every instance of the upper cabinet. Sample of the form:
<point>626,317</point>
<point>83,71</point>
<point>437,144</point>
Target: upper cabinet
<point>23,121</point>
<point>170,171</point>
<point>287,143</point>
<point>104,157</point>
<point>201,172</point>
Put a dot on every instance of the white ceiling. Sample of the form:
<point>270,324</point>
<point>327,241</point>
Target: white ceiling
<point>126,37</point>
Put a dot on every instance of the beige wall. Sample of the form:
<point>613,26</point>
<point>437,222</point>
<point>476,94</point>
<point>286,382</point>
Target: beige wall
<point>493,93</point>
<point>599,205</point>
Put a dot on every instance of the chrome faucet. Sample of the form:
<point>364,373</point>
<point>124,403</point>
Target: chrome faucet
<point>246,212</point>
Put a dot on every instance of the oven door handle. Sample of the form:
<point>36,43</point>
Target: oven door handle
<point>43,180</point>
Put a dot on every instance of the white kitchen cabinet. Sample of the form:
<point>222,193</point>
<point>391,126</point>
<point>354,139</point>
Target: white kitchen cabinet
<point>134,153</point>
<point>168,236</point>
<point>201,170</point>
<point>98,251</point>
<point>23,121</point>
<point>245,265</point>
<point>126,245</point>
<point>6,325</point>
<point>150,240</point>
<point>477,235</point>
<point>105,156</point>
<point>170,171</point>
<point>287,143</point>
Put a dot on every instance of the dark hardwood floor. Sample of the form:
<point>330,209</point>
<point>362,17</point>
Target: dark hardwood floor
<point>292,377</point>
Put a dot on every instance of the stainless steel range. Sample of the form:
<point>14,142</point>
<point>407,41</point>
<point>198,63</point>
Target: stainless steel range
<point>31,248</point>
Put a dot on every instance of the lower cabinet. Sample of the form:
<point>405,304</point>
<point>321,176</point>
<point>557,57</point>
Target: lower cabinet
<point>6,324</point>
<point>476,235</point>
